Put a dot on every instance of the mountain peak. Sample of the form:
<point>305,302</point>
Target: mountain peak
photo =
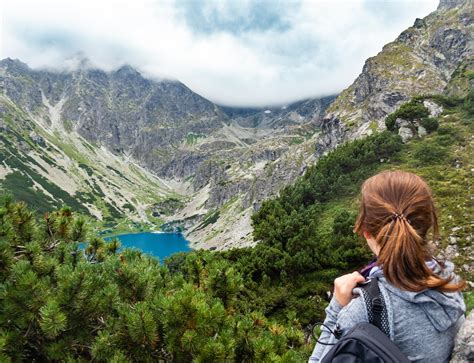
<point>451,4</point>
<point>127,70</point>
<point>11,64</point>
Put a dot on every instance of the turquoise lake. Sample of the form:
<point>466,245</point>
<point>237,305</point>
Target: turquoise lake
<point>159,244</point>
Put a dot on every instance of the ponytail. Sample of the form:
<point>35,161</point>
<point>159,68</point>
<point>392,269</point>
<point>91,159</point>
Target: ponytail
<point>401,236</point>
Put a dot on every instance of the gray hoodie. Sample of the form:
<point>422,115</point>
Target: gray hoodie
<point>422,324</point>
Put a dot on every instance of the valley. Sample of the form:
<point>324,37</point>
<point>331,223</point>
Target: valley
<point>266,197</point>
<point>119,146</point>
<point>73,153</point>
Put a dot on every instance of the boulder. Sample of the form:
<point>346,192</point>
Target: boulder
<point>405,129</point>
<point>405,133</point>
<point>422,131</point>
<point>419,23</point>
<point>434,109</point>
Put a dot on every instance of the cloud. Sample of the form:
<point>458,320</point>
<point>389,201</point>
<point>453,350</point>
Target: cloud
<point>248,52</point>
<point>237,17</point>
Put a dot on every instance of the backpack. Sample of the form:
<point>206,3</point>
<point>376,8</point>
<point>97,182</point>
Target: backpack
<point>368,342</point>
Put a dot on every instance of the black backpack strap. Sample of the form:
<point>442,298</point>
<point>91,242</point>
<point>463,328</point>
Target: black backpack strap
<point>376,308</point>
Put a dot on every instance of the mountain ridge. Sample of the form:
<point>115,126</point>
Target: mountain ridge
<point>161,126</point>
<point>419,61</point>
<point>223,161</point>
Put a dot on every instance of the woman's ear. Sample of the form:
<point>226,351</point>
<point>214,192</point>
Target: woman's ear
<point>371,243</point>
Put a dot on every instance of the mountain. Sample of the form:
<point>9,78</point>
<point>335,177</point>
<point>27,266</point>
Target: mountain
<point>117,144</point>
<point>121,110</point>
<point>420,61</point>
<point>46,162</point>
<point>211,166</point>
<point>274,117</point>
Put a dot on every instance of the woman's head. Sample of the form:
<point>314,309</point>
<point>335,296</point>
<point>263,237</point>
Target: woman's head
<point>396,214</point>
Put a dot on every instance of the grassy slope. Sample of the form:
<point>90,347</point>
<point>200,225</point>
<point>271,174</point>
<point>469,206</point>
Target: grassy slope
<point>449,173</point>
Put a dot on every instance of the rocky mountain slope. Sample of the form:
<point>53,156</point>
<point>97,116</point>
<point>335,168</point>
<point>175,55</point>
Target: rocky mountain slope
<point>114,144</point>
<point>273,117</point>
<point>46,164</point>
<point>121,110</point>
<point>211,166</point>
<point>420,61</point>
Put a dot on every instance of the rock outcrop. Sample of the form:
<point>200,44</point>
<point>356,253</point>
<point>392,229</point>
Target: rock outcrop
<point>419,62</point>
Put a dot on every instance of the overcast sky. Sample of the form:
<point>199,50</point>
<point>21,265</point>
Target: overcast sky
<point>240,52</point>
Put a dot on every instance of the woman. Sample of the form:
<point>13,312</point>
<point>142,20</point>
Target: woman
<point>422,296</point>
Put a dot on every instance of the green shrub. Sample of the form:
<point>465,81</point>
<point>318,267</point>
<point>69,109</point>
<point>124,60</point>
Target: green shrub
<point>59,303</point>
<point>468,105</point>
<point>390,121</point>
<point>469,299</point>
<point>447,130</point>
<point>430,124</point>
<point>446,101</point>
<point>130,207</point>
<point>445,140</point>
<point>413,110</point>
<point>210,218</point>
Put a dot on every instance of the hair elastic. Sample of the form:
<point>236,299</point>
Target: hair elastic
<point>396,215</point>
<point>399,216</point>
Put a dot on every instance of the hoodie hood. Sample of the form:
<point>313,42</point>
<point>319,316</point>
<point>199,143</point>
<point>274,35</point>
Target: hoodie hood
<point>442,309</point>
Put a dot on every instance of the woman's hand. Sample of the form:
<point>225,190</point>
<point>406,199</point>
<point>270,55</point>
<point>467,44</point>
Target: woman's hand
<point>344,285</point>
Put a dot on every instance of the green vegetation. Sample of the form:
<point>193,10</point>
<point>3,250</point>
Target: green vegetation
<point>68,125</point>
<point>429,153</point>
<point>469,299</point>
<point>444,159</point>
<point>87,168</point>
<point>128,206</point>
<point>430,124</point>
<point>168,205</point>
<point>192,138</point>
<point>410,111</point>
<point>210,218</point>
<point>61,304</point>
<point>23,188</point>
<point>462,79</point>
<point>124,225</point>
<point>250,304</point>
<point>26,184</point>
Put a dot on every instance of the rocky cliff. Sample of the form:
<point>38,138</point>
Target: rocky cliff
<point>420,61</point>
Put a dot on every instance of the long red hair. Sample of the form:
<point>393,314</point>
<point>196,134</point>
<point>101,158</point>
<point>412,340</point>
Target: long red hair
<point>397,210</point>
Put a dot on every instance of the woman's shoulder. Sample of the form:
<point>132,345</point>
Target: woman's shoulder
<point>443,269</point>
<point>441,309</point>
